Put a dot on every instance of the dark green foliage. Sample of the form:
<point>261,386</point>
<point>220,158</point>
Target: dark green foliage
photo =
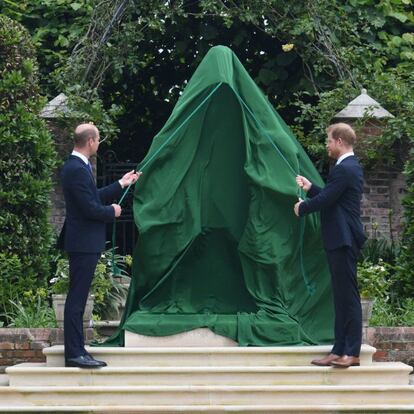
<point>31,311</point>
<point>405,266</point>
<point>55,27</point>
<point>387,313</point>
<point>338,47</point>
<point>376,249</point>
<point>27,161</point>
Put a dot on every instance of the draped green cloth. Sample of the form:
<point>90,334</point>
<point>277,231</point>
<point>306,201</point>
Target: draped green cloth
<point>219,245</point>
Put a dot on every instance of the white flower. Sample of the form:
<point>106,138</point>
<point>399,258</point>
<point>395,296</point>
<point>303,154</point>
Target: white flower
<point>287,47</point>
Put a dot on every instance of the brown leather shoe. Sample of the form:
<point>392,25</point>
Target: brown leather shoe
<point>346,361</point>
<point>325,362</point>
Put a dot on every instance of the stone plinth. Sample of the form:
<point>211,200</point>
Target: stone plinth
<point>202,337</point>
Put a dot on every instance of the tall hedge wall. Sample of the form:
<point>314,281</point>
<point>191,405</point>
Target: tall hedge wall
<point>27,160</point>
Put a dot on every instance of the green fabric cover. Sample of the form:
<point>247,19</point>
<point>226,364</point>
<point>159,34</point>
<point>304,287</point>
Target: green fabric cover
<point>219,245</point>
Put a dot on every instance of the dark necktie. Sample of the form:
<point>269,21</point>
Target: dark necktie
<point>91,171</point>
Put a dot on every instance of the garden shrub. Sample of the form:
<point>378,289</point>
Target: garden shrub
<point>405,264</point>
<point>27,161</point>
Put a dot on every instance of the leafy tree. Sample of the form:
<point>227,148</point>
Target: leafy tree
<point>165,45</point>
<point>55,28</point>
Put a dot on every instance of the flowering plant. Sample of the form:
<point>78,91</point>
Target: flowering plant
<point>373,279</point>
<point>288,47</point>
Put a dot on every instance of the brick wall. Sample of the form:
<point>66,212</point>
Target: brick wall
<point>392,343</point>
<point>384,186</point>
<point>25,344</point>
<point>381,210</point>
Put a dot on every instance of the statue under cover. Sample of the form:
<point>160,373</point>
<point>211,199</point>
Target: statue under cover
<point>219,245</point>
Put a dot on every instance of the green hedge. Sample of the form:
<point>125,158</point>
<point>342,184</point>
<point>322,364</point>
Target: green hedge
<point>27,161</point>
<point>405,264</point>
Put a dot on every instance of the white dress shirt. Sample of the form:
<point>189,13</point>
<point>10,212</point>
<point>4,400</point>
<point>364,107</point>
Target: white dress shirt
<point>81,156</point>
<point>343,156</point>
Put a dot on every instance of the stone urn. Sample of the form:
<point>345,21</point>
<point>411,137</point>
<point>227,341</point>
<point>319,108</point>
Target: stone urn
<point>58,302</point>
<point>367,305</point>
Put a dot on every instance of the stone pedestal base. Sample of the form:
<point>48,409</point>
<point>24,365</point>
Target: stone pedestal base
<point>202,337</point>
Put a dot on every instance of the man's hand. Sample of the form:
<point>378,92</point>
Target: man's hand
<point>117,209</point>
<point>296,208</point>
<point>303,183</point>
<point>129,178</point>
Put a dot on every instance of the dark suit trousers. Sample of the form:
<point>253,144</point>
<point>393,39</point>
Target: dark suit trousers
<point>347,302</point>
<point>81,270</point>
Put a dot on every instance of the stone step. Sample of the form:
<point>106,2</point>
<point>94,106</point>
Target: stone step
<point>210,356</point>
<point>385,373</point>
<point>218,395</point>
<point>214,409</point>
<point>4,380</point>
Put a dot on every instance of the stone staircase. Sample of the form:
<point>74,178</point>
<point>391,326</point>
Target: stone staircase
<point>208,380</point>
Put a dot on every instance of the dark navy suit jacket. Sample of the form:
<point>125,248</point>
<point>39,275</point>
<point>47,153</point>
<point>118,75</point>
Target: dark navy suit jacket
<point>84,230</point>
<point>339,203</point>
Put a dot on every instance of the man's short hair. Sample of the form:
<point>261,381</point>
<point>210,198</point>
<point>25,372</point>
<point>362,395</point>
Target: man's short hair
<point>343,131</point>
<point>81,138</point>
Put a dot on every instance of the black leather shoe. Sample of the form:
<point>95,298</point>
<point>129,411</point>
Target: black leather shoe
<point>91,358</point>
<point>84,362</point>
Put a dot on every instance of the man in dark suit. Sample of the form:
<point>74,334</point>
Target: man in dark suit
<point>343,236</point>
<point>83,235</point>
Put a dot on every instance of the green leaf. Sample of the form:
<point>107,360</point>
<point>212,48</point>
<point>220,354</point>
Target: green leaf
<point>14,4</point>
<point>396,41</point>
<point>76,6</point>
<point>407,55</point>
<point>408,37</point>
<point>399,16</point>
<point>383,35</point>
<point>379,21</point>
